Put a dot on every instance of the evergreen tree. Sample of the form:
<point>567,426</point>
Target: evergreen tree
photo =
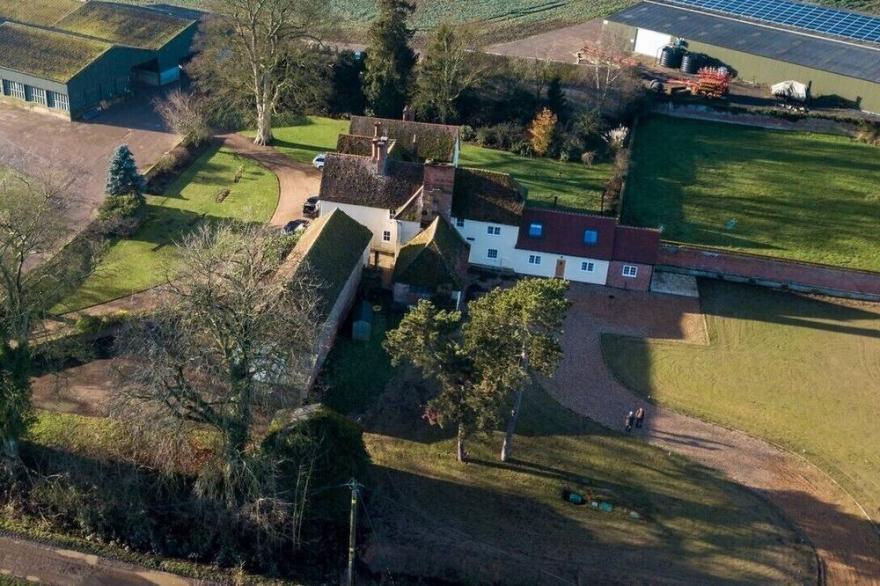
<point>122,176</point>
<point>390,59</point>
<point>556,101</point>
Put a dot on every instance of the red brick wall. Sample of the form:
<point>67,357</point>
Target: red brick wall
<point>641,282</point>
<point>789,273</point>
<point>440,177</point>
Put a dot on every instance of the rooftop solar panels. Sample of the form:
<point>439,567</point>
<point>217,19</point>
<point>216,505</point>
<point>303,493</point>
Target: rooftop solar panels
<point>827,21</point>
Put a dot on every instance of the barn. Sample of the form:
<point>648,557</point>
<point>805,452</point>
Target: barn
<point>70,61</point>
<point>836,52</point>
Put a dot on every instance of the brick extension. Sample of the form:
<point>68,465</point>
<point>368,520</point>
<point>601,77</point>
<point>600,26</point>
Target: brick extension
<point>798,276</point>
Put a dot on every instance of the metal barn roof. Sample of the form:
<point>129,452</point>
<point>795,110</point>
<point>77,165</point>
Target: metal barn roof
<point>800,48</point>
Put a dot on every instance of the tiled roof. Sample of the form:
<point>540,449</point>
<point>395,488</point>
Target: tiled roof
<point>349,144</point>
<point>486,196</point>
<point>639,245</point>
<point>435,257</point>
<point>328,252</point>
<point>353,179</point>
<point>563,233</point>
<point>420,140</point>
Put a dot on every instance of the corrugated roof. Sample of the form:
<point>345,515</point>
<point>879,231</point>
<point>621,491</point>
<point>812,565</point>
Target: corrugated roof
<point>125,24</point>
<point>435,257</point>
<point>800,48</point>
<point>46,54</point>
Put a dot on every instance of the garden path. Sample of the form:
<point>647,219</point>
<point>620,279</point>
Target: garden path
<point>845,539</point>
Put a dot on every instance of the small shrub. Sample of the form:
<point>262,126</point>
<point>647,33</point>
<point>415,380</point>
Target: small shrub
<point>868,132</point>
<point>239,173</point>
<point>522,148</point>
<point>486,137</point>
<point>616,138</point>
<point>467,133</point>
<point>588,158</point>
<point>221,195</point>
<point>122,215</point>
<point>97,324</point>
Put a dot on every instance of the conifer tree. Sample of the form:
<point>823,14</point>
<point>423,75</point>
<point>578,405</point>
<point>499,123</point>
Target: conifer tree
<point>541,132</point>
<point>123,177</point>
<point>390,59</point>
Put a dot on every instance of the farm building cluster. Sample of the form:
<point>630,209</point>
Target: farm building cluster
<point>70,56</point>
<point>834,54</point>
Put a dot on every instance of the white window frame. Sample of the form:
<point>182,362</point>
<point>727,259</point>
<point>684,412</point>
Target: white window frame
<point>630,271</point>
<point>491,256</point>
<point>59,101</point>
<point>16,90</point>
<point>459,222</point>
<point>587,266</point>
<point>493,230</point>
<point>386,236</point>
<point>38,95</point>
<point>534,259</point>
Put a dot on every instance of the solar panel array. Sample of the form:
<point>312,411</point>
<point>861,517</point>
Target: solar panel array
<point>827,21</point>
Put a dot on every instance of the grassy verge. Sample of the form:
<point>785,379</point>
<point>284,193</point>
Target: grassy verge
<point>804,373</point>
<point>303,142</point>
<point>571,186</point>
<point>148,258</point>
<point>793,195</point>
<point>493,522</point>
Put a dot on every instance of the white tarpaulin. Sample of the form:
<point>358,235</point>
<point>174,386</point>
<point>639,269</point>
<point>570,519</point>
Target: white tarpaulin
<point>790,89</point>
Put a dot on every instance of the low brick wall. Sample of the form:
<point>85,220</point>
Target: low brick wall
<point>770,272</point>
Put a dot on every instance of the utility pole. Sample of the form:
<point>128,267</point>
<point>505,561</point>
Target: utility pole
<point>352,530</point>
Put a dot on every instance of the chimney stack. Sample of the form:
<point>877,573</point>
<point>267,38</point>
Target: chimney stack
<point>438,186</point>
<point>380,148</point>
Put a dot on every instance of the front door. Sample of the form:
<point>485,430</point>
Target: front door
<point>560,268</point>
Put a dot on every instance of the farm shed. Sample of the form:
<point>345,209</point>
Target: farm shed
<point>766,42</point>
<point>71,61</point>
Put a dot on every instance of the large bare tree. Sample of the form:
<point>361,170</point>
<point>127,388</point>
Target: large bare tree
<point>228,346</point>
<point>262,51</point>
<point>31,227</point>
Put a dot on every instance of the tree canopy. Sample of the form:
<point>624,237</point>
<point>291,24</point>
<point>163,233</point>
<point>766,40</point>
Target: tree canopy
<point>390,59</point>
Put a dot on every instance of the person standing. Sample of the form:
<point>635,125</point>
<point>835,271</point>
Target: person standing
<point>630,419</point>
<point>640,416</point>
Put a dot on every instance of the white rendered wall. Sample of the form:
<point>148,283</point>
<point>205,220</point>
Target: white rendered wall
<point>650,42</point>
<point>375,219</point>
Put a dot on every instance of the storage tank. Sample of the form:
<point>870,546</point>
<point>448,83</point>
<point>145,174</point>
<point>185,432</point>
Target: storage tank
<point>671,56</point>
<point>691,63</point>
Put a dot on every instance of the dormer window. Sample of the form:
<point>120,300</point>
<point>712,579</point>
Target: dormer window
<point>591,237</point>
<point>536,230</point>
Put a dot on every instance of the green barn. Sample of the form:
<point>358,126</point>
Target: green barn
<point>69,58</point>
<point>764,42</point>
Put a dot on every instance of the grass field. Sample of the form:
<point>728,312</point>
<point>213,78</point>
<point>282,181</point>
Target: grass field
<point>577,186</point>
<point>799,196</point>
<point>147,259</point>
<point>800,372</point>
<point>488,522</point>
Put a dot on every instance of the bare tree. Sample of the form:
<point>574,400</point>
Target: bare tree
<point>228,346</point>
<point>611,71</point>
<point>263,51</point>
<point>31,227</point>
<point>185,114</point>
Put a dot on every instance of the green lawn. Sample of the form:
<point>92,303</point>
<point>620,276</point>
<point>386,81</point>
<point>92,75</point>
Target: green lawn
<point>799,196</point>
<point>303,142</point>
<point>147,259</point>
<point>576,186</point>
<point>488,522</point>
<point>800,372</point>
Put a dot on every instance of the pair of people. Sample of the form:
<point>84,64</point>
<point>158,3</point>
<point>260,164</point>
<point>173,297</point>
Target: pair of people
<point>634,419</point>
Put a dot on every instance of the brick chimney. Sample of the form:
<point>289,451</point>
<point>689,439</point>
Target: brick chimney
<point>380,154</point>
<point>409,114</point>
<point>438,186</point>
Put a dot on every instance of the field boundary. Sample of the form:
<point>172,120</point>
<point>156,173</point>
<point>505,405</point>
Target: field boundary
<point>770,272</point>
<point>755,119</point>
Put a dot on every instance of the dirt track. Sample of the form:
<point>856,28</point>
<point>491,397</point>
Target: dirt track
<point>845,540</point>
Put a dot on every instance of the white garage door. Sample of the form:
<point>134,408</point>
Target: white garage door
<point>649,42</point>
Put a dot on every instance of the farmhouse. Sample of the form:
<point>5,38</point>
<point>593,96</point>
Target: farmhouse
<point>414,206</point>
<point>835,52</point>
<point>70,62</point>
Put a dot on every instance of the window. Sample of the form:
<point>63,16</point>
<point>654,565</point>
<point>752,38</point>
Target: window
<point>459,222</point>
<point>630,271</point>
<point>536,229</point>
<point>14,89</point>
<point>588,267</point>
<point>493,230</point>
<point>386,236</point>
<point>534,259</point>
<point>390,214</point>
<point>57,101</point>
<point>492,253</point>
<point>38,95</point>
<point>591,237</point>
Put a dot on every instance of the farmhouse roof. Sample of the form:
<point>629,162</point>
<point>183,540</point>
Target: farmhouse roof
<point>328,253</point>
<point>641,245</point>
<point>41,12</point>
<point>350,144</point>
<point>353,179</point>
<point>46,54</point>
<point>798,47</point>
<point>420,140</point>
<point>124,24</point>
<point>564,233</point>
<point>487,196</point>
<point>435,257</point>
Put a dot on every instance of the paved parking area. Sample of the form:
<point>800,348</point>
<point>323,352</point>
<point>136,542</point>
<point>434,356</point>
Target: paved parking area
<point>33,139</point>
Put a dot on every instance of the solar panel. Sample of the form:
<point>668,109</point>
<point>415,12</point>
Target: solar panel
<point>827,21</point>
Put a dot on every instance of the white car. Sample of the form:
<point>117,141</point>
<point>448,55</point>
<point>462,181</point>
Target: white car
<point>318,161</point>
